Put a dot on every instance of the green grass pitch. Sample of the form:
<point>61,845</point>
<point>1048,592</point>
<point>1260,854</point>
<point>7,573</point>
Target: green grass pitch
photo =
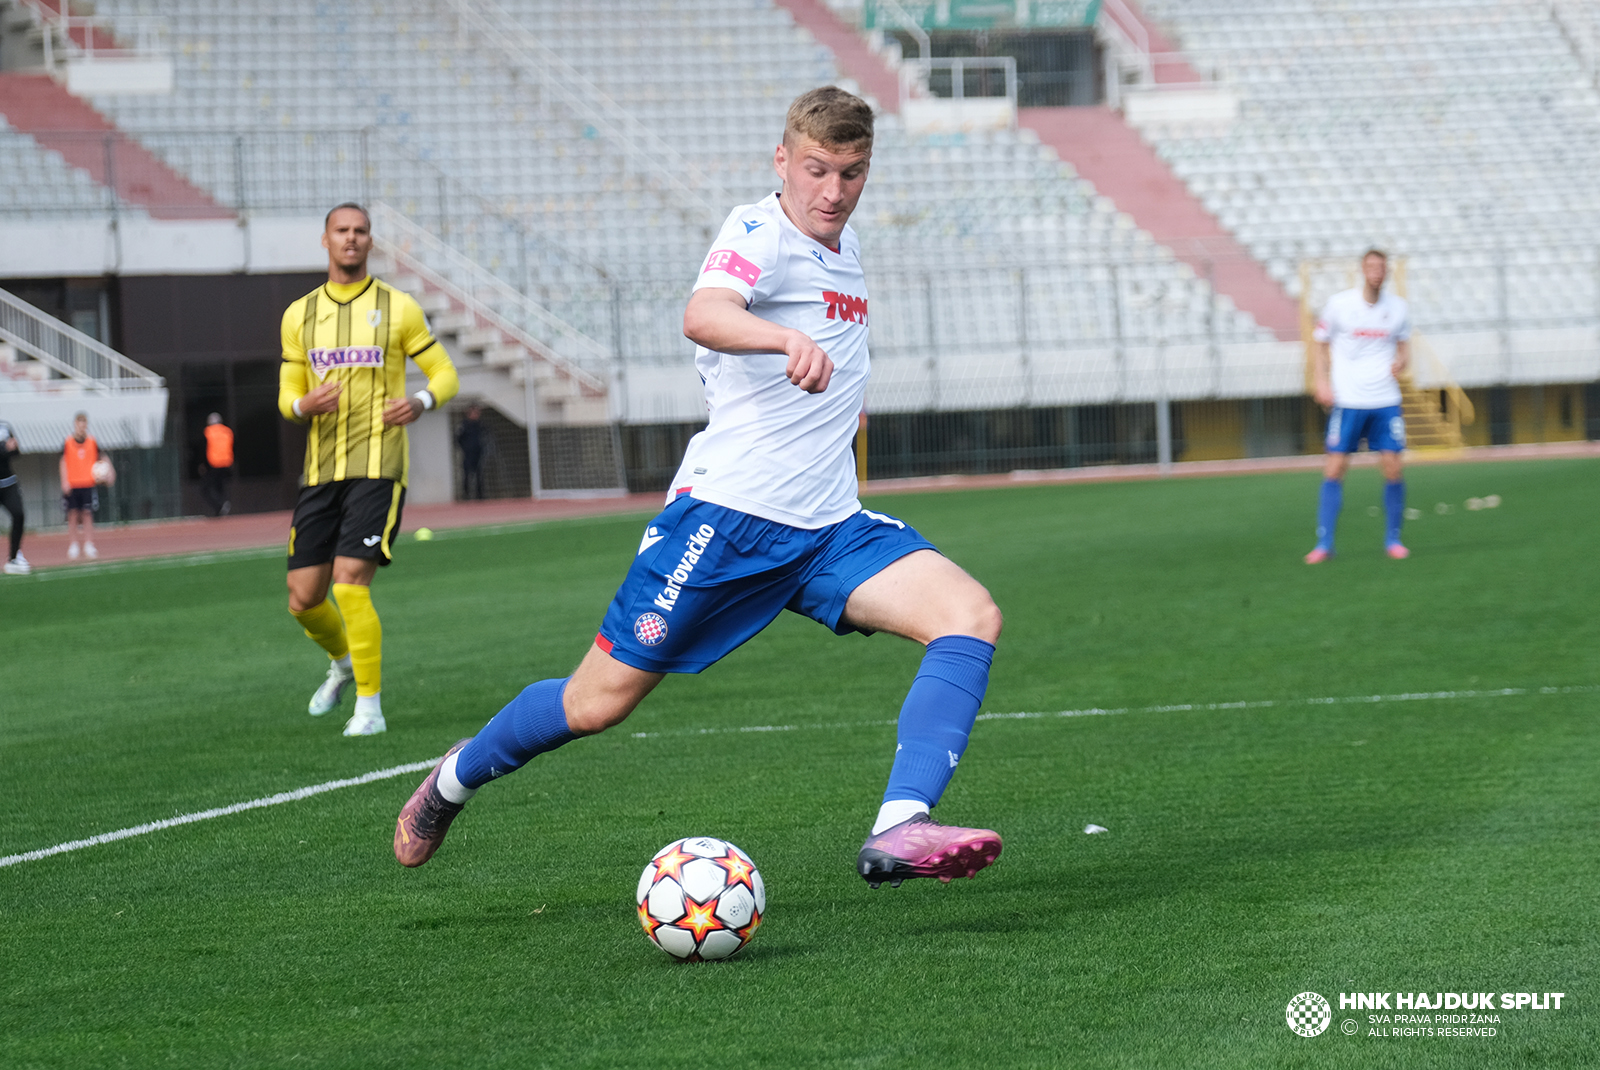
<point>1253,853</point>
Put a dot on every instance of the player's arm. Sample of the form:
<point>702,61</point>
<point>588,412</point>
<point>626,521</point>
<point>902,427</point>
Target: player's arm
<point>1322,357</point>
<point>1402,357</point>
<point>298,401</point>
<point>719,320</point>
<point>423,348</point>
<point>66,484</point>
<point>1321,382</point>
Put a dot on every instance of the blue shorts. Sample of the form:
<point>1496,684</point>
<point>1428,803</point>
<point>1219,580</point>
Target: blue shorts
<point>708,578</point>
<point>1384,429</point>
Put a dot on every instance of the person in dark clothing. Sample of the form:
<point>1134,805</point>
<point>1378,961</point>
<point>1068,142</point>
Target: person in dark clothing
<point>11,501</point>
<point>471,437</point>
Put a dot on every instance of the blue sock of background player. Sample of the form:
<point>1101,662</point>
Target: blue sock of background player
<point>1394,505</point>
<point>935,720</point>
<point>1328,508</point>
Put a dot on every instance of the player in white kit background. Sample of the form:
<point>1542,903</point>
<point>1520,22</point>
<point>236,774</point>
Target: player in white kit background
<point>1362,348</point>
<point>763,516</point>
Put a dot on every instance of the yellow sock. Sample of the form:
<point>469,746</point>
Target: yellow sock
<point>366,636</point>
<point>324,625</point>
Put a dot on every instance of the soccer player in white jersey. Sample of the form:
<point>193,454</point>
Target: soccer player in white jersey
<point>1362,349</point>
<point>762,516</point>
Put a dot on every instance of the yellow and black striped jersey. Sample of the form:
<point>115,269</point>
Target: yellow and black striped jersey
<point>358,334</point>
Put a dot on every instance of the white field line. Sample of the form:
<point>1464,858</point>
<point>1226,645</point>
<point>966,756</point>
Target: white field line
<point>1094,711</point>
<point>222,811</point>
<point>1185,707</point>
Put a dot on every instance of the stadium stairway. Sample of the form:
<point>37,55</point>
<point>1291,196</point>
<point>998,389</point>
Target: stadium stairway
<point>1429,424</point>
<point>39,106</point>
<point>1111,155</point>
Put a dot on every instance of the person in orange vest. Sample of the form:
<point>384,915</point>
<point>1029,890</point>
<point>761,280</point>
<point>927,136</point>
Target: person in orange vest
<point>80,459</point>
<point>218,464</point>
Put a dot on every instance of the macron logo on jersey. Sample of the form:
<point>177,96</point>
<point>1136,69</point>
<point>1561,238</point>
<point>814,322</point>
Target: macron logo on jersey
<point>844,307</point>
<point>730,262</point>
<point>749,226</point>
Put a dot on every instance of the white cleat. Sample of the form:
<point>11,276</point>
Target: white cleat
<point>332,690</point>
<point>18,566</point>
<point>89,551</point>
<point>72,552</point>
<point>365,725</point>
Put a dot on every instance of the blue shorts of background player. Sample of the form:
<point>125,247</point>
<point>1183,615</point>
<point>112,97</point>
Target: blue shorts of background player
<point>1384,431</point>
<point>707,578</point>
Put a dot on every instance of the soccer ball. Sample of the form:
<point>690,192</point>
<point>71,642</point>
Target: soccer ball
<point>104,475</point>
<point>700,899</point>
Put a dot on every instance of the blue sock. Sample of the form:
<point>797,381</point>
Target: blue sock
<point>1394,504</point>
<point>1328,512</point>
<point>937,717</point>
<point>532,723</point>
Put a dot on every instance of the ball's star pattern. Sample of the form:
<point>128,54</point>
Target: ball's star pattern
<point>701,918</point>
<point>650,924</point>
<point>671,864</point>
<point>737,868</point>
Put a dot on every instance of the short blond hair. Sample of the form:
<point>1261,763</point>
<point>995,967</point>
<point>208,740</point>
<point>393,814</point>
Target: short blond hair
<point>831,117</point>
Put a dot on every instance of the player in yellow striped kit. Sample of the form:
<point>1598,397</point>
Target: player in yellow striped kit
<point>345,347</point>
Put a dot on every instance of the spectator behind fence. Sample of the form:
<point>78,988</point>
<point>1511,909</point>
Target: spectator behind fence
<point>82,472</point>
<point>470,437</point>
<point>218,465</point>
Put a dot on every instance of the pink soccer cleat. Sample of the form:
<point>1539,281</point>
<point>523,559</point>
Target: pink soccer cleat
<point>425,818</point>
<point>1397,551</point>
<point>1318,556</point>
<point>920,848</point>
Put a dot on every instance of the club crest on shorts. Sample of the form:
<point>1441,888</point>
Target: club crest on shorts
<point>650,629</point>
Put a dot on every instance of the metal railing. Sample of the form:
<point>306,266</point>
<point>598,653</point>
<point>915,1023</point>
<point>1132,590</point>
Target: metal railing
<point>91,37</point>
<point>68,352</point>
<point>491,299</point>
<point>645,151</point>
<point>917,78</point>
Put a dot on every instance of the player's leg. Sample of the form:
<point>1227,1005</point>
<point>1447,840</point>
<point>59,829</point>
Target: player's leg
<point>1343,435</point>
<point>1388,437</point>
<point>927,598</point>
<point>11,498</point>
<point>367,522</point>
<point>601,692</point>
<point>877,574</point>
<point>310,561</point>
<point>86,521</point>
<point>69,508</point>
<point>697,588</point>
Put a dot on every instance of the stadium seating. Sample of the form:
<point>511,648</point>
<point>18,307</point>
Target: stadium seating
<point>1460,133</point>
<point>35,182</point>
<point>465,142</point>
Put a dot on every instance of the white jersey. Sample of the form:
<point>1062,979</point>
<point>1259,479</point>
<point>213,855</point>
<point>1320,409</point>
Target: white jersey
<point>771,449</point>
<point>1361,346</point>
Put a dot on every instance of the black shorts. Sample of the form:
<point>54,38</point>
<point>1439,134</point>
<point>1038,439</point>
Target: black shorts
<point>81,498</point>
<point>345,518</point>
